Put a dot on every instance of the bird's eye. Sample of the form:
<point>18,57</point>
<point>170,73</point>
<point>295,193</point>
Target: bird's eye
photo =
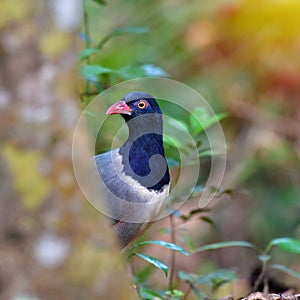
<point>142,104</point>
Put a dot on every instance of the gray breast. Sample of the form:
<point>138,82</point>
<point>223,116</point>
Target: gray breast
<point>126,199</point>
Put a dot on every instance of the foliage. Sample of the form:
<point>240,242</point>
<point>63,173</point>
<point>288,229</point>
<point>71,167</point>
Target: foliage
<point>96,74</point>
<point>216,279</point>
<point>264,256</point>
<point>195,124</point>
<point>233,59</point>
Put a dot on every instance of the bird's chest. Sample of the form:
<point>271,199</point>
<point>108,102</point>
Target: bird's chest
<point>127,198</point>
<point>144,161</point>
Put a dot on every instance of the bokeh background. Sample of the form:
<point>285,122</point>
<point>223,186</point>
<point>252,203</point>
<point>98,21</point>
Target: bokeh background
<point>242,56</point>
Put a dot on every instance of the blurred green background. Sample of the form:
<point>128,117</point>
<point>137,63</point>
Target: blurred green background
<point>242,56</point>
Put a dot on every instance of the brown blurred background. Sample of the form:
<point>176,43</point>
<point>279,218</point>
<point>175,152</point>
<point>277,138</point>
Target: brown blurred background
<point>242,56</point>
<point>53,243</point>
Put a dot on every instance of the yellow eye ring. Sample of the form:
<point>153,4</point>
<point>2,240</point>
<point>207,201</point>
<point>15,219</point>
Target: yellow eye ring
<point>142,104</point>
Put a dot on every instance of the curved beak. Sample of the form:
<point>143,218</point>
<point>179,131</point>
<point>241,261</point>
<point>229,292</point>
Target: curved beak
<point>119,108</point>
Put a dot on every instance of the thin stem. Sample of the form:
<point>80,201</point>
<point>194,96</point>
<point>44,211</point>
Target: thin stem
<point>87,39</point>
<point>173,254</point>
<point>266,285</point>
<point>86,25</point>
<point>261,277</point>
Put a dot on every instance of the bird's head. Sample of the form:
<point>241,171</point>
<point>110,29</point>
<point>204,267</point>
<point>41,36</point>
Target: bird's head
<point>135,104</point>
<point>143,157</point>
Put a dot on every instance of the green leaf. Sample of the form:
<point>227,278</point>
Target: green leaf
<point>178,125</point>
<point>154,71</point>
<point>131,72</point>
<point>213,279</point>
<point>121,31</point>
<point>189,277</point>
<point>172,141</point>
<point>217,278</point>
<point>201,120</point>
<point>154,261</point>
<point>206,153</point>
<point>173,127</point>
<point>85,53</point>
<point>148,294</point>
<point>286,270</point>
<point>162,244</point>
<point>87,71</point>
<point>286,244</point>
<point>198,116</point>
<point>174,294</point>
<point>127,72</point>
<point>129,30</point>
<point>221,245</point>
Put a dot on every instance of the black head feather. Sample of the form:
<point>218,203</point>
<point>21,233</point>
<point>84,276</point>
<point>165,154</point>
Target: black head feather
<point>141,104</point>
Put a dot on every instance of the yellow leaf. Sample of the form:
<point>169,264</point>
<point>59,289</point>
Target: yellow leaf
<point>32,186</point>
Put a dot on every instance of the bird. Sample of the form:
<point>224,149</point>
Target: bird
<point>136,176</point>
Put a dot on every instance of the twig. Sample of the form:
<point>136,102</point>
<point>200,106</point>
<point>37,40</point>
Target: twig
<point>261,277</point>
<point>87,41</point>
<point>173,254</point>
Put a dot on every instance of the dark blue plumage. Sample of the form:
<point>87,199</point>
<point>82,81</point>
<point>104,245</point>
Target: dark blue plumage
<point>140,152</point>
<point>136,175</point>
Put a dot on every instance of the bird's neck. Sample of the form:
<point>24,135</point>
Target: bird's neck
<point>143,154</point>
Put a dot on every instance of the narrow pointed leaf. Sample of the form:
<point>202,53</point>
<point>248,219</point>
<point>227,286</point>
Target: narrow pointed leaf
<point>129,29</point>
<point>87,71</point>
<point>221,245</point>
<point>286,270</point>
<point>85,53</point>
<point>121,31</point>
<point>172,141</point>
<point>201,120</point>
<point>213,279</point>
<point>163,244</point>
<point>216,278</point>
<point>287,244</point>
<point>154,261</point>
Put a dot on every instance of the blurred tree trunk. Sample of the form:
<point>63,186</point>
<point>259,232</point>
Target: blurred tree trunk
<point>53,243</point>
